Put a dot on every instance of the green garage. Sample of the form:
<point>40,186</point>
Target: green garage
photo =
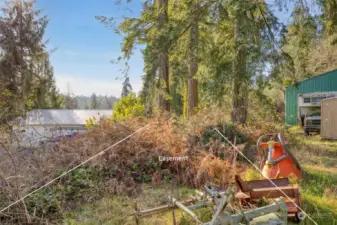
<point>307,94</point>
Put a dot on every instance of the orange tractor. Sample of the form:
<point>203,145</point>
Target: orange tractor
<point>278,165</point>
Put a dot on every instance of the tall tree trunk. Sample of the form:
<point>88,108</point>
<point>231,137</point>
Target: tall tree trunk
<point>163,58</point>
<point>239,85</point>
<point>185,100</point>
<point>23,73</point>
<point>193,61</point>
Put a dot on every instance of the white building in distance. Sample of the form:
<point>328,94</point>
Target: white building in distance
<point>41,125</point>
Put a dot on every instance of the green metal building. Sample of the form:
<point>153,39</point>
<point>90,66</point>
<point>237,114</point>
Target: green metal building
<point>326,82</point>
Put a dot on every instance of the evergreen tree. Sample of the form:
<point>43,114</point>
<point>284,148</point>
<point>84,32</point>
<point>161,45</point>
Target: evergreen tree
<point>193,57</point>
<point>69,99</point>
<point>108,102</point>
<point>24,62</point>
<point>206,52</point>
<point>94,104</point>
<point>302,33</point>
<point>329,17</point>
<point>163,56</point>
<point>127,88</point>
<point>86,105</point>
<point>239,69</point>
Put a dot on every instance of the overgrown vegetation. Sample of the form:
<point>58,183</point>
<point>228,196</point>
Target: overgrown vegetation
<point>122,173</point>
<point>228,130</point>
<point>122,170</point>
<point>128,107</point>
<point>117,209</point>
<point>318,191</point>
<point>207,64</point>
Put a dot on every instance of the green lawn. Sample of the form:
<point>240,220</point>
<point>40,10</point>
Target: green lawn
<point>319,185</point>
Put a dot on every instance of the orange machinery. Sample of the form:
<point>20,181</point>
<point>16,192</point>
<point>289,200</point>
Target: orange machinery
<point>280,162</point>
<point>278,165</point>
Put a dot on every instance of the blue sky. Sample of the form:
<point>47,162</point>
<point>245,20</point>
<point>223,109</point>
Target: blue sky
<point>85,47</point>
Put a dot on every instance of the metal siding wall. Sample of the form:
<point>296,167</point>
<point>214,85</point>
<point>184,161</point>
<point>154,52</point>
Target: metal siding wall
<point>323,83</point>
<point>291,105</point>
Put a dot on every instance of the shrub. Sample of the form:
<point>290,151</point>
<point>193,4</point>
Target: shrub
<point>128,107</point>
<point>80,186</point>
<point>102,122</point>
<point>91,122</point>
<point>45,203</point>
<point>229,130</point>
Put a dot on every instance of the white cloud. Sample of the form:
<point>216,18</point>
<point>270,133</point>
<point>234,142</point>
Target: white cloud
<point>87,86</point>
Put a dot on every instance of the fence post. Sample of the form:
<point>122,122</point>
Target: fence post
<point>136,214</point>
<point>174,216</point>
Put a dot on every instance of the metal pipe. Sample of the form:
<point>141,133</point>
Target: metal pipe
<point>221,204</point>
<point>164,208</point>
<point>270,151</point>
<point>219,218</point>
<point>200,205</point>
<point>278,206</point>
<point>251,214</point>
<point>279,159</point>
<point>185,209</point>
<point>147,212</point>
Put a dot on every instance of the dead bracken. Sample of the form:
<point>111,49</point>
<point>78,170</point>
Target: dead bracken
<point>119,171</point>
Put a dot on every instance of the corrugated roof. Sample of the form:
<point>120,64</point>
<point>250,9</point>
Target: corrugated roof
<point>314,77</point>
<point>326,82</point>
<point>62,116</point>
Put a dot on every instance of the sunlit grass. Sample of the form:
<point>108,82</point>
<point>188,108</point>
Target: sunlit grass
<point>118,210</point>
<point>319,184</point>
<point>295,129</point>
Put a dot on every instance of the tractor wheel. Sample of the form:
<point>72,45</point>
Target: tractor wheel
<point>300,216</point>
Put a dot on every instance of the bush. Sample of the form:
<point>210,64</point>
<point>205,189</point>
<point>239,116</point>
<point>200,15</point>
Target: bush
<point>80,186</point>
<point>91,122</point>
<point>102,122</point>
<point>128,107</point>
<point>228,130</point>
